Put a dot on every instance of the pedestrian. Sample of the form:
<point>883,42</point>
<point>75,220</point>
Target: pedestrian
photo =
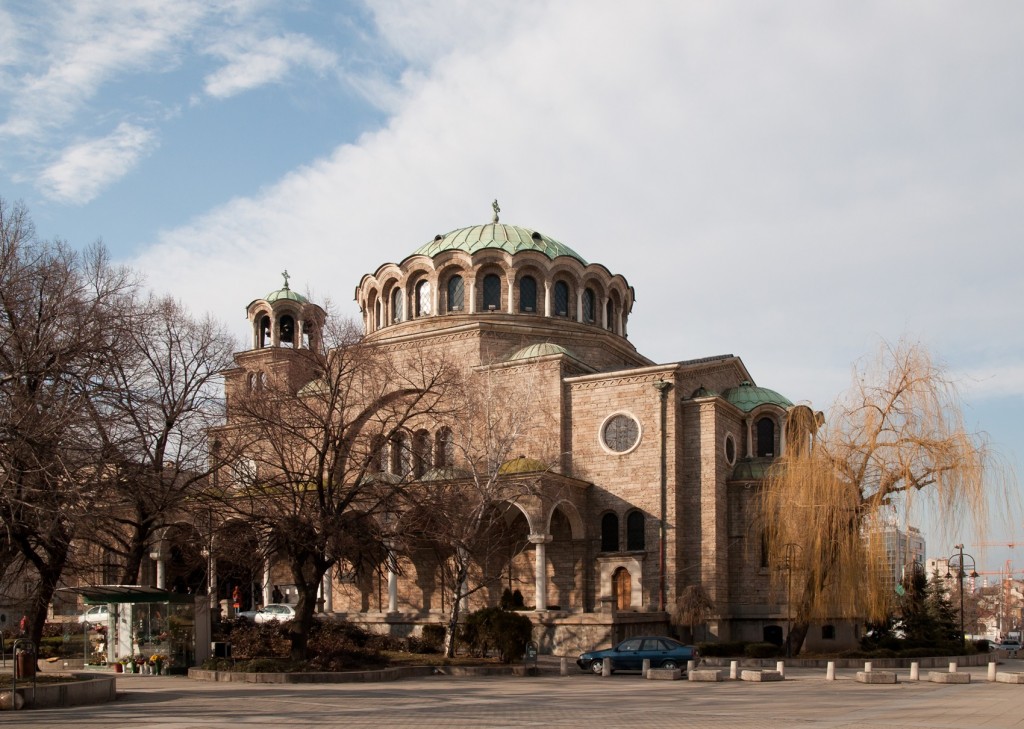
<point>23,625</point>
<point>236,597</point>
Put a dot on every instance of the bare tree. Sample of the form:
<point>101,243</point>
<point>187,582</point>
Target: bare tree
<point>159,399</point>
<point>308,451</point>
<point>897,437</point>
<point>58,324</point>
<point>466,514</point>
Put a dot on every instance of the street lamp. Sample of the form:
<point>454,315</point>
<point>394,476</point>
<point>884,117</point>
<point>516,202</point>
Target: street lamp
<point>790,549</point>
<point>958,558</point>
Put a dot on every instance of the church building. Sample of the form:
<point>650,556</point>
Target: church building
<point>649,472</point>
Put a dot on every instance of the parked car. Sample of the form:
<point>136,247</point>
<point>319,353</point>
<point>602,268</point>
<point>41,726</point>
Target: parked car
<point>95,614</point>
<point>1006,645</point>
<point>629,655</point>
<point>273,611</point>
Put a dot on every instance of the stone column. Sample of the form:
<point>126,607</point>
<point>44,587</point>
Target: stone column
<point>547,297</point>
<point>579,305</point>
<point>470,294</point>
<point>327,587</point>
<point>511,290</point>
<point>539,542</point>
<point>392,590</point>
<point>750,436</point>
<point>267,596</point>
<point>161,572</point>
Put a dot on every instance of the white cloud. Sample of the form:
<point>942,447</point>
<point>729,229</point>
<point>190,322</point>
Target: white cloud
<point>254,61</point>
<point>84,169</point>
<point>787,183</point>
<point>83,45</point>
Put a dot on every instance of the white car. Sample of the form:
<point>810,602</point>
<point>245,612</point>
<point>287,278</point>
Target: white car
<point>273,611</point>
<point>97,614</point>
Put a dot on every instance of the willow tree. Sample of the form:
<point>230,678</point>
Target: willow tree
<point>895,439</point>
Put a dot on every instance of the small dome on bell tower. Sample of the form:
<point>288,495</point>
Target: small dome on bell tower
<point>284,318</point>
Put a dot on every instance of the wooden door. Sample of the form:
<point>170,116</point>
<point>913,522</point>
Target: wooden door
<point>622,587</point>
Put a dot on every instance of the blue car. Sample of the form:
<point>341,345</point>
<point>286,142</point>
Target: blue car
<point>629,655</point>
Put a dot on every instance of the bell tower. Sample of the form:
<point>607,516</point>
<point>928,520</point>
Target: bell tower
<point>284,318</point>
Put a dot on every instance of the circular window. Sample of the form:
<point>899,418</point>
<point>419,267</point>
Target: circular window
<point>620,433</point>
<point>730,449</point>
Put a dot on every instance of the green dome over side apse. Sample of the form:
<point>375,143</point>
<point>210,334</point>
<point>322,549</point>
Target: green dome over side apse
<point>748,396</point>
<point>510,238</point>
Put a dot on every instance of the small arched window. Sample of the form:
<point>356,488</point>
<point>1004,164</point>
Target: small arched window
<point>608,314</point>
<point>635,531</point>
<point>423,298</point>
<point>765,438</point>
<point>589,305</point>
<point>420,453</point>
<point>253,381</point>
<point>378,315</point>
<point>492,292</point>
<point>561,298</point>
<point>401,455</point>
<point>528,294</point>
<point>456,293</point>
<point>378,454</point>
<point>609,533</point>
<point>396,306</point>
<point>444,448</point>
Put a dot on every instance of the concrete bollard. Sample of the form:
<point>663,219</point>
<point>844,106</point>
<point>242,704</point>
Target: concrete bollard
<point>991,670</point>
<point>690,665</point>
<point>606,667</point>
<point>780,666</point>
<point>867,666</point>
<point>952,666</point>
<point>645,667</point>
<point>915,671</point>
<point>564,668</point>
<point>734,670</point>
<point>830,671</point>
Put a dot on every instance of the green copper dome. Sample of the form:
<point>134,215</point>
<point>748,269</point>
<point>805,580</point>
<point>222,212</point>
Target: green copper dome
<point>509,238</point>
<point>748,396</point>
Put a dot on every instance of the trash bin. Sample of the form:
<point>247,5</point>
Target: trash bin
<point>25,664</point>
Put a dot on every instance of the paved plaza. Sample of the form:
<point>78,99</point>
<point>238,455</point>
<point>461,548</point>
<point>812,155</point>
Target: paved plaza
<point>804,700</point>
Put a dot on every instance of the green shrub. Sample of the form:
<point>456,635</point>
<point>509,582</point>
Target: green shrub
<point>499,630</point>
<point>762,650</point>
<point>722,649</point>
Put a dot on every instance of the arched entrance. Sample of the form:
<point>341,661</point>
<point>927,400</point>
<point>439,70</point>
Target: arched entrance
<point>185,563</point>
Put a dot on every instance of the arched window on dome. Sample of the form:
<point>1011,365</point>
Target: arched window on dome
<point>396,306</point>
<point>608,313</point>
<point>635,531</point>
<point>589,305</point>
<point>444,448</point>
<point>287,324</point>
<point>456,294</point>
<point>265,338</point>
<point>610,532</point>
<point>423,299</point>
<point>528,294</point>
<point>378,315</point>
<point>492,292</point>
<point>765,437</point>
<point>561,298</point>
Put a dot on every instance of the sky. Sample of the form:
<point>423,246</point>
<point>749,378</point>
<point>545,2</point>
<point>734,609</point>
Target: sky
<point>788,182</point>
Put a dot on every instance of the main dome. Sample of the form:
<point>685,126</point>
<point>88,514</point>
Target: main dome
<point>509,238</point>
